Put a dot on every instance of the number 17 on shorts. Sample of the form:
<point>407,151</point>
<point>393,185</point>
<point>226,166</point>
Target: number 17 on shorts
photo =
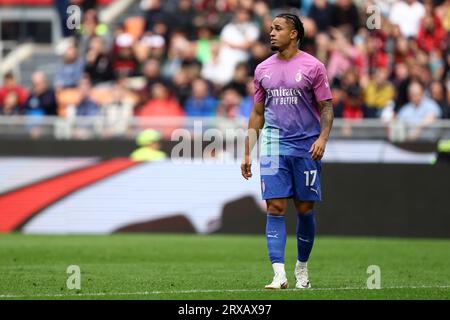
<point>290,176</point>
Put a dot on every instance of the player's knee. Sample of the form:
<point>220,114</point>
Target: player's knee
<point>304,207</point>
<point>276,207</point>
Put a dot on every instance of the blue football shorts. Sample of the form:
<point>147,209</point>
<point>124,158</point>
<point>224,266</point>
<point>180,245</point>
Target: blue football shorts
<point>290,177</point>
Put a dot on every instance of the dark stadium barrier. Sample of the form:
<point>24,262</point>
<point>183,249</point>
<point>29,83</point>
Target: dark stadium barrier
<point>392,200</point>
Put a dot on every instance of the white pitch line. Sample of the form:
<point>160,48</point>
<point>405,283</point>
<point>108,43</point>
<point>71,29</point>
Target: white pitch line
<point>146,293</point>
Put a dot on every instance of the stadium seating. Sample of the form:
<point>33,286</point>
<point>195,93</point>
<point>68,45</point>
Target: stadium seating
<point>102,96</point>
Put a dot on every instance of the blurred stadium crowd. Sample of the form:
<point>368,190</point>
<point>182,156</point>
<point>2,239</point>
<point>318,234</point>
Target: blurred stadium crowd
<point>197,58</point>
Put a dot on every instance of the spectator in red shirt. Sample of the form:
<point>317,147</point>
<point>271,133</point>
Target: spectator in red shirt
<point>162,104</point>
<point>10,106</point>
<point>352,107</point>
<point>431,34</point>
<point>376,54</point>
<point>152,75</point>
<point>10,85</point>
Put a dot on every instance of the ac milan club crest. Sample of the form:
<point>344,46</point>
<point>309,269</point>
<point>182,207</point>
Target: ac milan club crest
<point>298,76</point>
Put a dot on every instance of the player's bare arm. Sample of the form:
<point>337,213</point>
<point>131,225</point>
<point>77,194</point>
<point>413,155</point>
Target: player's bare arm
<point>326,122</point>
<point>255,124</point>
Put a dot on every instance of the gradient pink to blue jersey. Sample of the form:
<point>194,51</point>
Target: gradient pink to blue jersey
<point>291,90</point>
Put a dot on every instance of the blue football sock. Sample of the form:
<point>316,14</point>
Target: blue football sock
<point>276,237</point>
<point>306,230</point>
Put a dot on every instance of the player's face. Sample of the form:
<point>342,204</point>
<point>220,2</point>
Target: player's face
<point>281,34</point>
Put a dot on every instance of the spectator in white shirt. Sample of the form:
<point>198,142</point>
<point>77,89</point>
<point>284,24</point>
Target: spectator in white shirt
<point>236,39</point>
<point>407,15</point>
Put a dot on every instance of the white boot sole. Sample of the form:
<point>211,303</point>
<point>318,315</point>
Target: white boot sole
<point>302,287</point>
<point>284,285</point>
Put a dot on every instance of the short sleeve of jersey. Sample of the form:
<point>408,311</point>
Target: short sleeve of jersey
<point>260,93</point>
<point>321,86</point>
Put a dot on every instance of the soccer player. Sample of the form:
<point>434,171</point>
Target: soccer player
<point>292,106</point>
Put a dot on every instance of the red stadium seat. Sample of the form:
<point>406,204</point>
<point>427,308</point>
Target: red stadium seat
<point>66,97</point>
<point>135,26</point>
<point>102,96</point>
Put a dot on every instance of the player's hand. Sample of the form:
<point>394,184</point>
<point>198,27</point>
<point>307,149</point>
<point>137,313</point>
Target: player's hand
<point>246,167</point>
<point>318,149</point>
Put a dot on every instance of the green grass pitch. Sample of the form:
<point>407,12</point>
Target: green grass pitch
<point>189,267</point>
